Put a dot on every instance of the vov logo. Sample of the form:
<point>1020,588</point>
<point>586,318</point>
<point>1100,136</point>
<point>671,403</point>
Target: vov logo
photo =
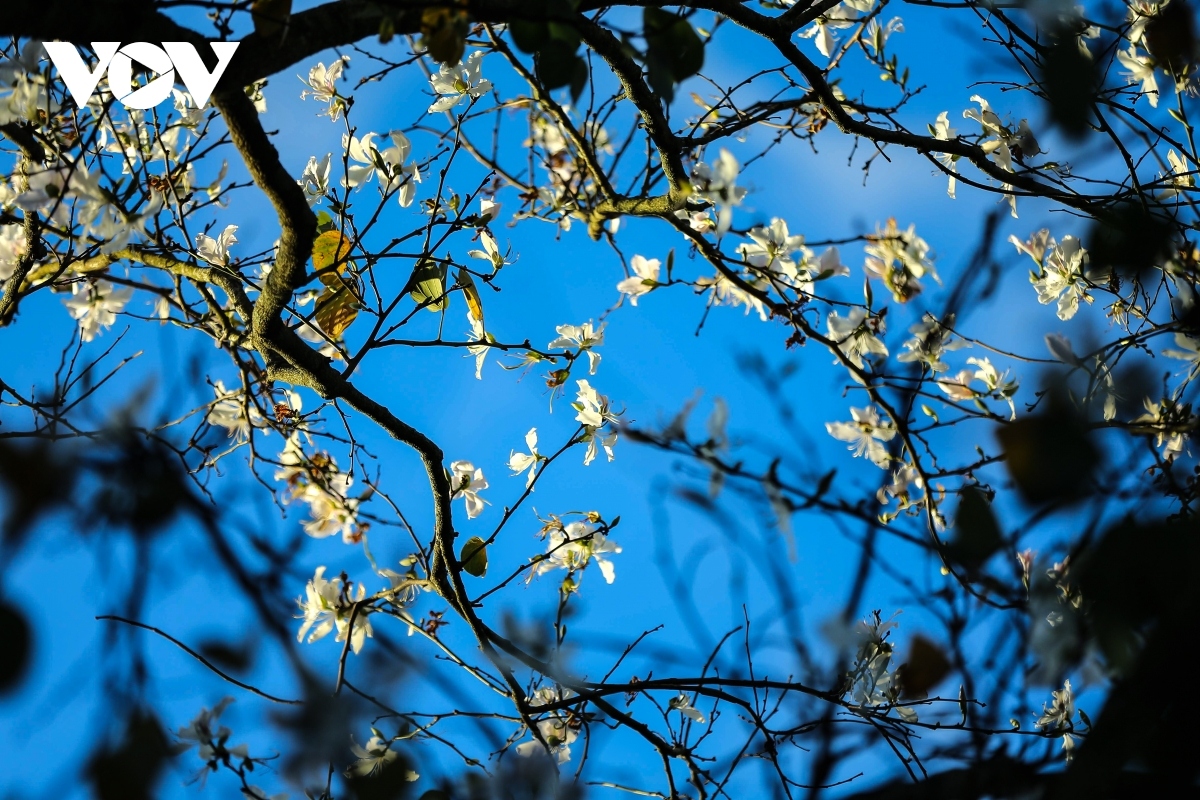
<point>118,61</point>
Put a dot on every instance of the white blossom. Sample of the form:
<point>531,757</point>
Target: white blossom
<point>12,247</point>
<point>573,547</point>
<point>388,164</point>
<point>772,248</point>
<point>1066,277</point>
<point>903,479</point>
<point>216,251</point>
<point>1140,69</point>
<point>900,258</point>
<point>319,483</point>
<point>643,280</point>
<point>455,83</point>
<point>718,185</point>
<point>1036,246</point>
<point>373,758</point>
<point>467,482</point>
<point>556,730</point>
<point>328,606</point>
<point>203,732</point>
<point>233,412</point>
<point>322,85</point>
<point>22,93</point>
<point>490,252</point>
<point>584,337</point>
<point>46,189</point>
<point>1179,179</point>
<point>478,351</point>
<point>683,704</point>
<point>827,265</point>
<point>930,341</point>
<point>558,736</point>
<point>997,383</point>
<point>331,510</point>
<point>1139,14</point>
<point>548,136</point>
<point>876,36</point>
<point>404,588</point>
<point>866,434</point>
<point>726,292</point>
<point>592,407</point>
<point>843,15</point>
<point>1170,423</point>
<point>190,117</point>
<point>1000,142</point>
<point>872,683</point>
<point>1189,350</point>
<point>698,220</point>
<point>941,130</point>
<point>315,179</point>
<point>23,96</point>
<point>489,209</point>
<point>958,386</point>
<point>96,305</point>
<point>520,462</point>
<point>162,308</point>
<point>1060,347</point>
<point>854,335</point>
<point>597,440</point>
<point>311,332</point>
<point>1060,717</point>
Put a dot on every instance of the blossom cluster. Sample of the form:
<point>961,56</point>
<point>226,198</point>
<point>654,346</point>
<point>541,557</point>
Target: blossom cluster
<point>317,481</point>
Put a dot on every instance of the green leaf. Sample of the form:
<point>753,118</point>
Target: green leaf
<point>528,36</point>
<point>234,657</point>
<point>387,29</point>
<point>556,64</point>
<point>18,645</point>
<point>1130,239</point>
<point>567,34</point>
<point>976,532</point>
<point>474,557</point>
<point>674,51</point>
<point>579,78</point>
<point>1071,79</point>
<point>926,667</point>
<point>825,482</point>
<point>428,285</point>
<point>1050,455</point>
<point>130,769</point>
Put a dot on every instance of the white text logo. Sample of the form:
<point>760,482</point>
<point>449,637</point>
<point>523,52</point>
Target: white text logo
<point>118,61</point>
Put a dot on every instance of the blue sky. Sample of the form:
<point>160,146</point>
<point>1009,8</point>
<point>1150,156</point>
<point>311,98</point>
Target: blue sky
<point>653,363</point>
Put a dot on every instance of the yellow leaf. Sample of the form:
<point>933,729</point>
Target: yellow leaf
<point>471,293</point>
<point>474,557</point>
<point>336,311</point>
<point>444,33</point>
<point>331,249</point>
